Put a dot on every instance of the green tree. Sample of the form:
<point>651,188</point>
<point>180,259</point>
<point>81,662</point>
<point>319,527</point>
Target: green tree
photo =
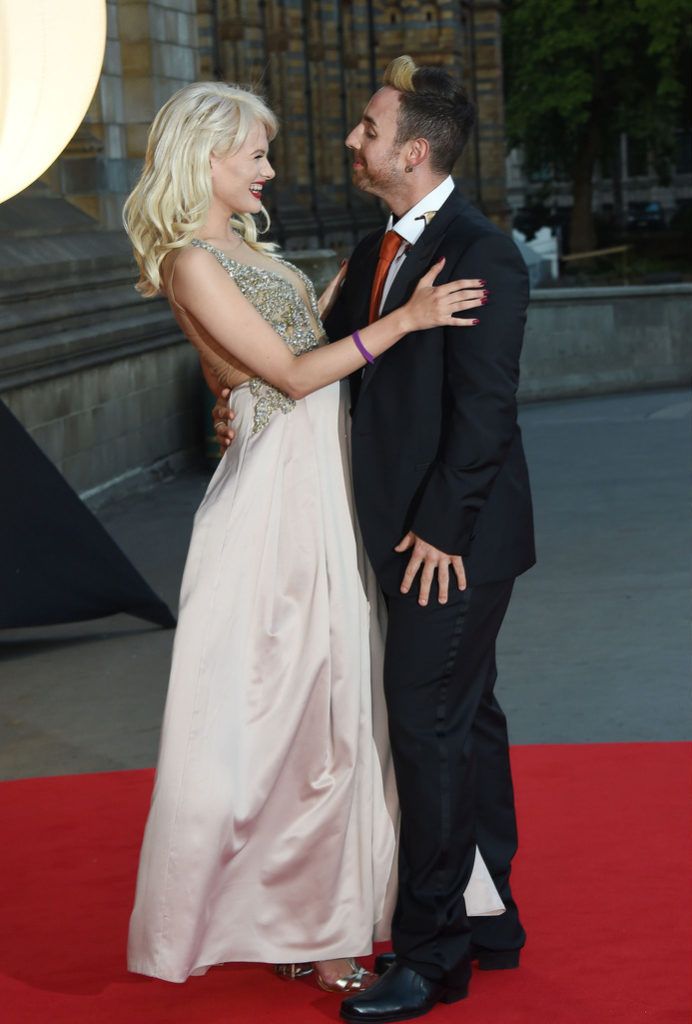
<point>580,72</point>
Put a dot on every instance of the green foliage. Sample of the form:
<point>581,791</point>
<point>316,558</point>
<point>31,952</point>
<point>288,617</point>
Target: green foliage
<point>575,67</point>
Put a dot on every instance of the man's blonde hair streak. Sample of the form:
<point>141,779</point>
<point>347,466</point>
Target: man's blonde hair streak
<point>399,74</point>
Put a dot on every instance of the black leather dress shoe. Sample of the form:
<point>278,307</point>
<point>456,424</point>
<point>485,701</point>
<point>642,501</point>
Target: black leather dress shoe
<point>488,959</point>
<point>402,994</point>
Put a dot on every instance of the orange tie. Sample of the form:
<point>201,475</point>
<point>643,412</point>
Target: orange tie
<point>389,247</point>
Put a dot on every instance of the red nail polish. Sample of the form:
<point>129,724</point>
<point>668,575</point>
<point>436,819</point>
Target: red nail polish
<point>483,283</point>
<point>484,302</point>
<point>475,321</point>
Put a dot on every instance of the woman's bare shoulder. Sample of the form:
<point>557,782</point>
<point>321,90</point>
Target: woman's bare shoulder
<point>191,259</point>
<point>189,272</point>
<point>196,268</point>
<point>188,260</point>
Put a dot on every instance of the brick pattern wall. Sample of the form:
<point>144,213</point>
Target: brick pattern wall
<point>488,87</point>
<point>316,61</point>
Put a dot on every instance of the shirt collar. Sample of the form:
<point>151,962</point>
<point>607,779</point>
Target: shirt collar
<point>409,226</point>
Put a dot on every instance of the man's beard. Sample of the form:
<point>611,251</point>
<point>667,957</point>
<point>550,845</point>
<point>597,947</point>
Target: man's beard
<point>378,182</point>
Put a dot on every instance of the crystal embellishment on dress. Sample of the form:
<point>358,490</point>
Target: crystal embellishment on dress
<point>280,303</point>
<point>267,400</point>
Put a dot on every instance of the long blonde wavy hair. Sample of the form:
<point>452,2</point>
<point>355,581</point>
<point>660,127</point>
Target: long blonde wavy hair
<point>170,202</point>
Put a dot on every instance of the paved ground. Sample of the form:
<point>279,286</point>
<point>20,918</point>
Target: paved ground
<point>595,647</point>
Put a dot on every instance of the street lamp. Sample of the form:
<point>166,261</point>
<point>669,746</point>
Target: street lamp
<point>51,53</point>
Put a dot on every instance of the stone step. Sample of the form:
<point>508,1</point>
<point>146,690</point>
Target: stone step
<point>94,340</point>
<point>66,282</point>
<point>73,351</point>
<point>79,299</point>
<point>29,318</point>
<point>24,258</point>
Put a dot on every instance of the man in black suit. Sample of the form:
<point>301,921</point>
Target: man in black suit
<point>443,500</point>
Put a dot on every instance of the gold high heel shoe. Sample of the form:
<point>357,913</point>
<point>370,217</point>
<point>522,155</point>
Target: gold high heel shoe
<point>357,981</point>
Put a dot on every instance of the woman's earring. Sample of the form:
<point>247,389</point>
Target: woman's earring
<point>408,169</point>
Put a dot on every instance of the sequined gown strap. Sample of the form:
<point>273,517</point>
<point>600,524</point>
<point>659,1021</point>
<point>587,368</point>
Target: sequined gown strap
<point>293,314</point>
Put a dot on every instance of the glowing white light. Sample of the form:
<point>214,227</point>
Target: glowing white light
<point>51,53</point>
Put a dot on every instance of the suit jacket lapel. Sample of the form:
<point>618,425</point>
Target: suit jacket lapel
<point>417,263</point>
<point>364,275</point>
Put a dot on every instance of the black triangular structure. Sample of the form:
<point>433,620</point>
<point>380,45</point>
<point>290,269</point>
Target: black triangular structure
<point>57,563</point>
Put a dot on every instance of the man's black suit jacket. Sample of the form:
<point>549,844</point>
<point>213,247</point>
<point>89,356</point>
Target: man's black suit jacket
<point>436,444</point>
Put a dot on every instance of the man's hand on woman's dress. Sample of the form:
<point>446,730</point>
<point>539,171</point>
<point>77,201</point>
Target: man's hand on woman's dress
<point>222,417</point>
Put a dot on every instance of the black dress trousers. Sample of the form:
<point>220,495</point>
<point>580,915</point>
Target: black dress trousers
<point>451,757</point>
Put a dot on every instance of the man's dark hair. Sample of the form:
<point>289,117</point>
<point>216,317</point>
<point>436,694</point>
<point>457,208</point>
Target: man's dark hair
<point>433,106</point>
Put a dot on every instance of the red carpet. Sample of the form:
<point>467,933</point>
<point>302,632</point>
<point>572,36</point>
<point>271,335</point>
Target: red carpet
<point>603,877</point>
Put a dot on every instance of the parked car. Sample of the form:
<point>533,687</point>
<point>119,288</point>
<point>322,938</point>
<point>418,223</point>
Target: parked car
<point>645,216</point>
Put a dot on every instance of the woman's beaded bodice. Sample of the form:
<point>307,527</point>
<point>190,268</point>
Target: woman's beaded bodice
<point>280,303</point>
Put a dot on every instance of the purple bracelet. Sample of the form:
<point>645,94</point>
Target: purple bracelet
<point>361,347</point>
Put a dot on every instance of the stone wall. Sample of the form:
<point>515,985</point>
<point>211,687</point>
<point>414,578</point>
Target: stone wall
<point>587,341</point>
<point>111,427</point>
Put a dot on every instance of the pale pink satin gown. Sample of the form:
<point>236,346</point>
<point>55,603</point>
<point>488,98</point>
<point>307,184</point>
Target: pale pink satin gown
<point>272,830</point>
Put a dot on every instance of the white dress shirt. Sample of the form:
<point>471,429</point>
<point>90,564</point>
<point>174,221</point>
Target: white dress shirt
<point>412,225</point>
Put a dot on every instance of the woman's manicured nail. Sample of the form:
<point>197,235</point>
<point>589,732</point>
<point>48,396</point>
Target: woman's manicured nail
<point>475,321</point>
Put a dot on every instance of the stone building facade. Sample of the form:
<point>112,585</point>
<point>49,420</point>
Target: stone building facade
<point>151,50</point>
<point>317,61</point>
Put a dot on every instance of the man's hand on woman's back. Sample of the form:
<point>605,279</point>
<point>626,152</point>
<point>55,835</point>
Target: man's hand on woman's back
<point>222,417</point>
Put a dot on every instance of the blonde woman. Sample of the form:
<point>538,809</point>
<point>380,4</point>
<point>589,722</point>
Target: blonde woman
<point>268,838</point>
